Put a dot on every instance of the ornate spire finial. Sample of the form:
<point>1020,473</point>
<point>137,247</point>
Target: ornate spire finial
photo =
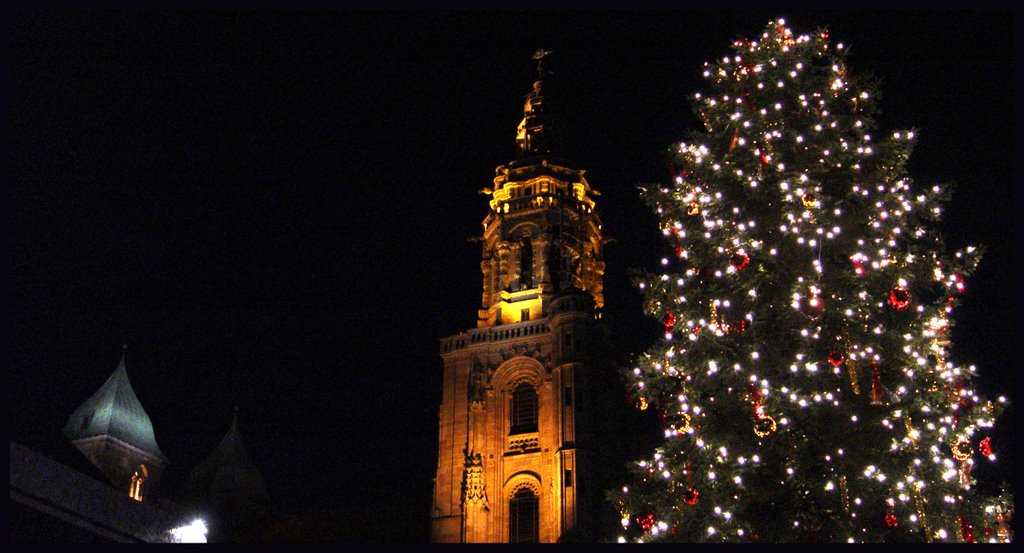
<point>531,135</point>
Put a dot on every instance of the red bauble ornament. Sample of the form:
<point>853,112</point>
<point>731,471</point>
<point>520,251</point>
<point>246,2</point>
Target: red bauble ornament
<point>985,446</point>
<point>958,282</point>
<point>690,496</point>
<point>646,521</point>
<point>966,530</point>
<point>899,297</point>
<point>836,358</point>
<point>739,261</point>
<point>748,102</point>
<point>858,266</point>
<point>679,251</point>
<point>876,384</point>
<point>670,322</point>
<point>737,327</point>
<point>890,520</point>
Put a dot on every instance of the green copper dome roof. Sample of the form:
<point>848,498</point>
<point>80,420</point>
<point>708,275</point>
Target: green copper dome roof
<point>114,411</point>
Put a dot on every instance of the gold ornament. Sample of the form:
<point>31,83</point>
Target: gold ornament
<point>846,494</point>
<point>809,199</point>
<point>643,403</point>
<point>919,503</point>
<point>735,139</point>
<point>852,371</point>
<point>764,426</point>
<point>693,208</point>
<point>962,449</point>
<point>1003,518</point>
<point>716,322</point>
<point>682,425</point>
<point>910,429</point>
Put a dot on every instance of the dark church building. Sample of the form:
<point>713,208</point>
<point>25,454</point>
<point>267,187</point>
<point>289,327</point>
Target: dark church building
<point>100,481</point>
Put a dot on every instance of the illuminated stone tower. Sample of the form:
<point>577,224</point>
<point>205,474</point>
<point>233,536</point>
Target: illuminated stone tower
<point>520,453</point>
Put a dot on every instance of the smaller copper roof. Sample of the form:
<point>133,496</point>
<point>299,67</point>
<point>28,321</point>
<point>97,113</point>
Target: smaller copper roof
<point>228,481</point>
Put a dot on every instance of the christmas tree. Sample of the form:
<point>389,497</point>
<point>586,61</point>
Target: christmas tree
<point>803,382</point>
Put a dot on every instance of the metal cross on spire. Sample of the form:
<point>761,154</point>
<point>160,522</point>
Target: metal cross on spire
<point>539,55</point>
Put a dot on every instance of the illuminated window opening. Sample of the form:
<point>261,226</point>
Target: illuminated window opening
<point>524,409</point>
<point>523,517</point>
<point>138,479</point>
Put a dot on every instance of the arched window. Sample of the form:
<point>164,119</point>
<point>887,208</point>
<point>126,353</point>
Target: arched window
<point>138,479</point>
<point>523,516</point>
<point>524,409</point>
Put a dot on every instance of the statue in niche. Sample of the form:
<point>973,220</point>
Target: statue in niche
<point>477,384</point>
<point>473,492</point>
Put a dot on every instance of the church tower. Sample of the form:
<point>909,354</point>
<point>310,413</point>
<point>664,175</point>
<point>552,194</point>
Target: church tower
<point>525,392</point>
<point>114,432</point>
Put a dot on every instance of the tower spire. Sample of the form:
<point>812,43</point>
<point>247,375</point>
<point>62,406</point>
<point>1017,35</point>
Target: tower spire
<point>533,136</point>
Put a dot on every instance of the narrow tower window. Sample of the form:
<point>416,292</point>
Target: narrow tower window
<point>138,479</point>
<point>524,409</point>
<point>523,519</point>
<point>526,263</point>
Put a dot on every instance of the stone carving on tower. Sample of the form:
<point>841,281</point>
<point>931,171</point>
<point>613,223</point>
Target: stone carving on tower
<point>525,391</point>
<point>473,478</point>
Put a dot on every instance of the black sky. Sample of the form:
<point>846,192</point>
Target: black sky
<point>272,209</point>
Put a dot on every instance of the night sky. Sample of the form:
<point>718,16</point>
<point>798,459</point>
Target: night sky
<point>273,209</point>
